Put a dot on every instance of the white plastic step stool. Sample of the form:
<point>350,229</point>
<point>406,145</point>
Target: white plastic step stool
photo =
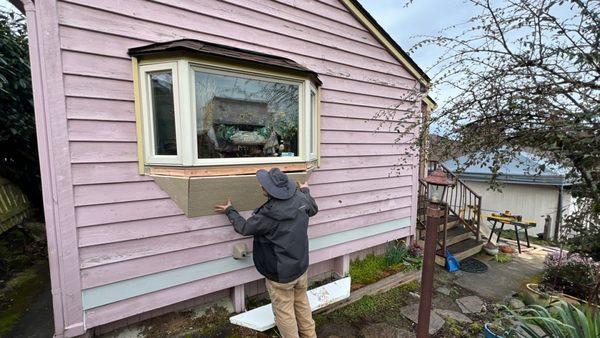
<point>262,319</point>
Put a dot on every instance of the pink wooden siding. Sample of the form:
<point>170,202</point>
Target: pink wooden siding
<point>127,226</point>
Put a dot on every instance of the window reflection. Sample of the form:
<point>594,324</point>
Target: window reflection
<point>245,117</point>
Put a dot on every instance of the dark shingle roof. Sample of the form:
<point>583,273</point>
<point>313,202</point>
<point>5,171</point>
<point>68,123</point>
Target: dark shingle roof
<point>221,51</point>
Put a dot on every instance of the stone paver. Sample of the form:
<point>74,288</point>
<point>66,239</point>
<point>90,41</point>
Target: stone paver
<point>412,313</point>
<point>470,304</point>
<point>443,290</point>
<point>383,330</point>
<point>457,316</point>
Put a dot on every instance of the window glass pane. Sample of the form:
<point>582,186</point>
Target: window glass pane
<point>242,117</point>
<point>163,119</point>
<point>313,116</point>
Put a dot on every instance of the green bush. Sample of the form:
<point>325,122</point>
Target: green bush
<point>18,143</point>
<point>562,320</point>
<point>572,274</point>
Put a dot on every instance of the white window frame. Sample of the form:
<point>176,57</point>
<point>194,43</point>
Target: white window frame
<point>312,123</point>
<point>185,113</point>
<point>147,114</point>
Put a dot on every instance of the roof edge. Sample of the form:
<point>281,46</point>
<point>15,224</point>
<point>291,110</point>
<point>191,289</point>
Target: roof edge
<point>430,102</point>
<point>362,15</point>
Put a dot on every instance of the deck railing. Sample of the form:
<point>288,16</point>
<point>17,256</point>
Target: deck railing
<point>462,202</point>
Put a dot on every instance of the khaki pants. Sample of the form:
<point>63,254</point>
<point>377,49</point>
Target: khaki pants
<point>291,308</point>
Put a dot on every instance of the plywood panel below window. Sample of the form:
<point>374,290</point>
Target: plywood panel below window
<point>196,196</point>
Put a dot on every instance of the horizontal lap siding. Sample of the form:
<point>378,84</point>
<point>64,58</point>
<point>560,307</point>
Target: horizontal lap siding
<point>127,226</point>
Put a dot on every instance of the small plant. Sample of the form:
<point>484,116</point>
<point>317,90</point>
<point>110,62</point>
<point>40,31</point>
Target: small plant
<point>396,253</point>
<point>503,257</point>
<point>562,320</point>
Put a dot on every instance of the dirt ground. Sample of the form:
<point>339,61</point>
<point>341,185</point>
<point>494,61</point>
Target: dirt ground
<point>379,315</point>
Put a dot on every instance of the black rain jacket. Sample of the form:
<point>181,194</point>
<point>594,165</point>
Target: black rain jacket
<point>279,228</point>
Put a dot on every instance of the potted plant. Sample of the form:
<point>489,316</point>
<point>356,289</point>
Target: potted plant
<point>536,295</point>
<point>499,328</point>
<point>491,249</point>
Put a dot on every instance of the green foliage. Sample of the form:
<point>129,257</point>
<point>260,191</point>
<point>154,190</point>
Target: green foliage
<point>18,295</point>
<point>572,274</point>
<point>367,270</point>
<point>562,320</point>
<point>502,257</point>
<point>371,308</point>
<point>523,77</point>
<point>18,147</point>
<point>372,268</point>
<point>396,253</point>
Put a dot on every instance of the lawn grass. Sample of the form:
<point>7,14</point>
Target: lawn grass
<point>372,308</point>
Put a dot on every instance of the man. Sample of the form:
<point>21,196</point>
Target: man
<point>280,248</point>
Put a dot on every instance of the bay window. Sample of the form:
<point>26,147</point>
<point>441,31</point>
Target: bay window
<point>208,116</point>
<point>204,113</point>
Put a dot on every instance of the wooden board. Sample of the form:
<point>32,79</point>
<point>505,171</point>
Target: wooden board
<point>196,196</point>
<point>262,319</point>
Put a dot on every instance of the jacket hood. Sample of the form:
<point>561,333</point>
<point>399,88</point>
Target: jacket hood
<point>282,209</point>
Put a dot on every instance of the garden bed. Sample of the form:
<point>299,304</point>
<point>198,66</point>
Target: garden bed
<point>397,258</point>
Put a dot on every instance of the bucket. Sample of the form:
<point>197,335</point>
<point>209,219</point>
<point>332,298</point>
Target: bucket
<point>488,333</point>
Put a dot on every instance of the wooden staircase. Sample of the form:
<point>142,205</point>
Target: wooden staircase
<point>462,231</point>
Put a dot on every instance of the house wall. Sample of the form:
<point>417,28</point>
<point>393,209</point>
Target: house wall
<point>530,201</point>
<point>134,250</point>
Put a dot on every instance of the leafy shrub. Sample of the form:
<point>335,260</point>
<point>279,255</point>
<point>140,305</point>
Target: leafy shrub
<point>572,274</point>
<point>18,143</point>
<point>562,320</point>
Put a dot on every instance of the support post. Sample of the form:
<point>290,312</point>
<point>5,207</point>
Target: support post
<point>238,298</point>
<point>559,208</point>
<point>342,266</point>
<point>427,276</point>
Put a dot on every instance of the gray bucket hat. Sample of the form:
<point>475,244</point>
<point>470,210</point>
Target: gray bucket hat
<point>276,183</point>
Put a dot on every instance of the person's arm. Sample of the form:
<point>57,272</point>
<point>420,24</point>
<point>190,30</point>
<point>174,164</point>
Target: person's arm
<point>312,205</point>
<point>255,225</point>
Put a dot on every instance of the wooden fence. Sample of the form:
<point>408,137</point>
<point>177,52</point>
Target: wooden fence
<point>14,206</point>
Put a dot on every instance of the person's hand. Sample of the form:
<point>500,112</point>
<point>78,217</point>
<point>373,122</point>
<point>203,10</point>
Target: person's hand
<point>220,208</point>
<point>303,185</point>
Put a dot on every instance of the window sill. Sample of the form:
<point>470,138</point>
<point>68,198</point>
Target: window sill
<point>228,170</point>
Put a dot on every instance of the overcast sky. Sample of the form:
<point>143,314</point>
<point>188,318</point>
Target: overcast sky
<point>404,23</point>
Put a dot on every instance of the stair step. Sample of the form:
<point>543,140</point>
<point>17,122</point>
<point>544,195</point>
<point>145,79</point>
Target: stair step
<point>452,222</point>
<point>455,235</point>
<point>460,250</point>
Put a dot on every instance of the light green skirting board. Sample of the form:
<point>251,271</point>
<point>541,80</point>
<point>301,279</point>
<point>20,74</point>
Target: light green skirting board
<point>118,291</point>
